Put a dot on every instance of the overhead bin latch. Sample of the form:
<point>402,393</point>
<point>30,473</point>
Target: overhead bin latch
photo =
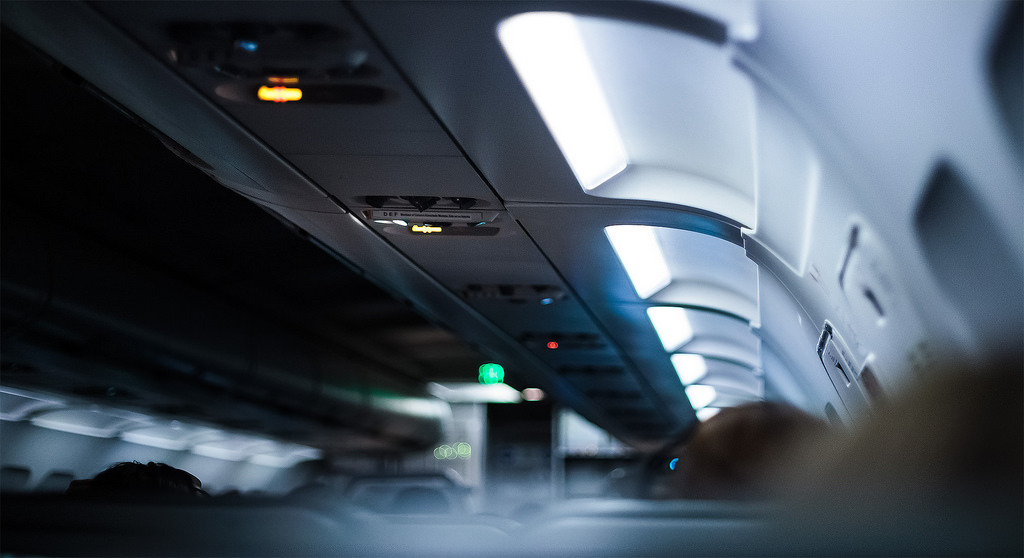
<point>840,365</point>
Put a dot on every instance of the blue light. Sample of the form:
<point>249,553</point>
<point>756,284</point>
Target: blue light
<point>248,46</point>
<point>672,464</point>
<point>546,301</point>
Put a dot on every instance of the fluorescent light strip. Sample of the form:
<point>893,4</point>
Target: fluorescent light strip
<point>672,326</point>
<point>700,396</point>
<point>547,52</point>
<point>707,412</point>
<point>690,368</point>
<point>638,249</point>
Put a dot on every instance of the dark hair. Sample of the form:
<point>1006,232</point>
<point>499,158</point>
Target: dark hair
<point>734,453</point>
<point>134,478</point>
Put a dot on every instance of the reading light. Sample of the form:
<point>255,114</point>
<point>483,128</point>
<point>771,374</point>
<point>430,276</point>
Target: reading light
<point>533,394</point>
<point>548,54</point>
<point>638,250</point>
<point>700,396</point>
<point>706,413</point>
<point>672,326</point>
<point>690,368</point>
<point>279,94</point>
<point>425,229</point>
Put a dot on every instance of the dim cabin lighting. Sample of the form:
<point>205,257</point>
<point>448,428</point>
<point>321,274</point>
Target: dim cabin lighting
<point>672,326</point>
<point>426,229</point>
<point>533,394</point>
<point>689,368</point>
<point>706,413</point>
<point>547,52</point>
<point>279,94</point>
<point>638,249</point>
<point>700,396</point>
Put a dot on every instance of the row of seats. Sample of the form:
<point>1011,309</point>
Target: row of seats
<point>53,525</point>
<point>14,478</point>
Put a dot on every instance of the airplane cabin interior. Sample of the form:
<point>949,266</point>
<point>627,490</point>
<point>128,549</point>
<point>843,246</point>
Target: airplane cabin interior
<point>492,278</point>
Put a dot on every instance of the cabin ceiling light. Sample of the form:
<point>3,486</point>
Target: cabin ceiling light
<point>98,423</point>
<point>233,448</point>
<point>174,436</point>
<point>285,455</point>
<point>700,396</point>
<point>638,249</point>
<point>707,412</point>
<point>672,326</point>
<point>690,368</point>
<point>17,404</point>
<point>548,54</point>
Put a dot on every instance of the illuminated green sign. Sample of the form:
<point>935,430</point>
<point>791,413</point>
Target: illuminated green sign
<point>491,373</point>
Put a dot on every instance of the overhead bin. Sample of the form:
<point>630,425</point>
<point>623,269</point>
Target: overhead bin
<point>680,118</point>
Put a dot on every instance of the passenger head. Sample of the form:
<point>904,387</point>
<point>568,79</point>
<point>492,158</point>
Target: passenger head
<point>736,453</point>
<point>135,479</point>
<point>954,436</point>
<point>940,464</point>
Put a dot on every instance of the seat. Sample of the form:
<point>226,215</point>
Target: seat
<point>14,478</point>
<point>55,481</point>
<point>420,500</point>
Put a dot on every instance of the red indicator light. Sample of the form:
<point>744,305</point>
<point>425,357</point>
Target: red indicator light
<point>552,344</point>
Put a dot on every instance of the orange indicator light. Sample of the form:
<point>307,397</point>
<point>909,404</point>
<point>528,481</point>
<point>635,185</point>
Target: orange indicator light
<point>282,79</point>
<point>552,344</point>
<point>279,94</point>
<point>426,229</point>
